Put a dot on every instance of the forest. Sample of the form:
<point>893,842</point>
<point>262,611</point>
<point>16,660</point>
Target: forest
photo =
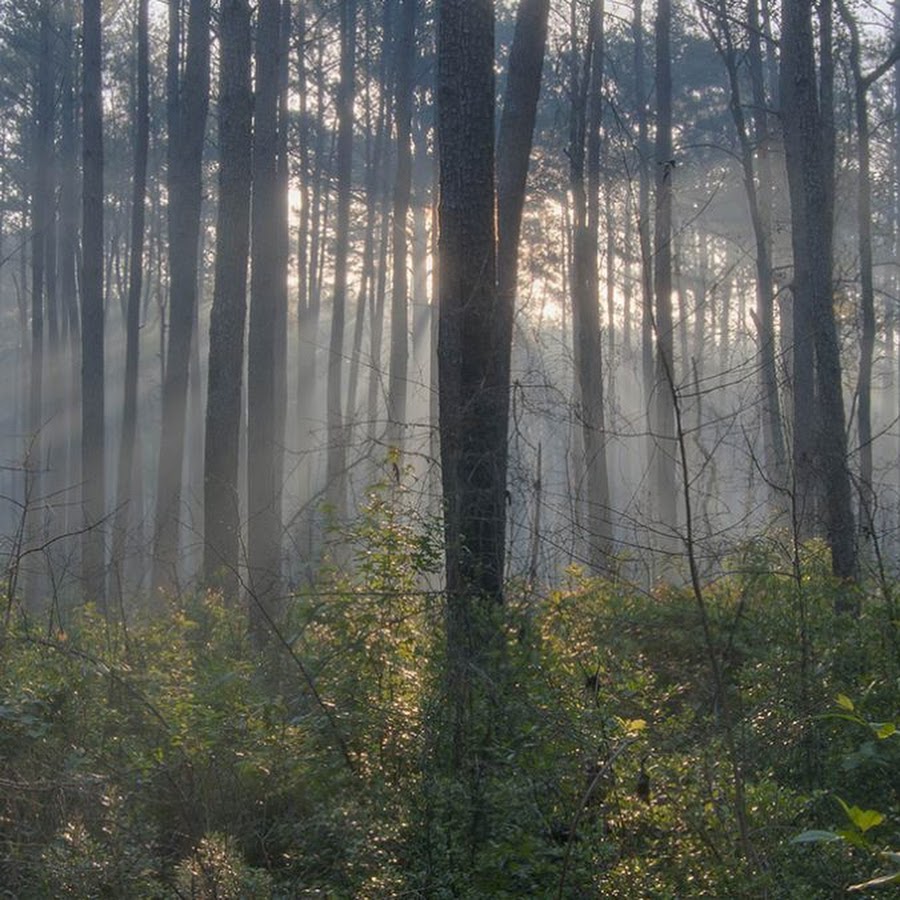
<point>450,448</point>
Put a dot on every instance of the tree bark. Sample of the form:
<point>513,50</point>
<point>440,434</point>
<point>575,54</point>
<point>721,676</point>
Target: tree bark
<point>817,365</point>
<point>514,142</point>
<point>404,53</point>
<point>92,355</point>
<point>135,287</point>
<point>665,384</point>
<point>187,107</point>
<point>40,228</point>
<point>263,479</point>
<point>336,460</point>
<point>587,97</point>
<point>473,393</point>
<point>221,506</point>
<point>757,185</point>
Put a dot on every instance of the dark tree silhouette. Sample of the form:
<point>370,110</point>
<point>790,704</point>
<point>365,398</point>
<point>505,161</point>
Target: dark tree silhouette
<point>221,507</point>
<point>92,353</point>
<point>187,104</point>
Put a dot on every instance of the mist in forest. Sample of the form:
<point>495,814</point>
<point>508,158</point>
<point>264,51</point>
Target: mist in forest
<point>344,341</point>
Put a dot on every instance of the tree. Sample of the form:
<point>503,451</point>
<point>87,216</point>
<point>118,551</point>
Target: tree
<point>92,352</point>
<point>41,226</point>
<point>263,476</point>
<point>820,441</point>
<point>68,264</point>
<point>187,104</point>
<point>665,384</point>
<point>473,394</point>
<point>399,362</point>
<point>221,507</point>
<point>337,450</point>
<point>587,99</point>
<point>757,178</point>
<point>862,84</point>
<point>135,286</point>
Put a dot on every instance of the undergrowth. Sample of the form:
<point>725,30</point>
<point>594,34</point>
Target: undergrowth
<point>166,759</point>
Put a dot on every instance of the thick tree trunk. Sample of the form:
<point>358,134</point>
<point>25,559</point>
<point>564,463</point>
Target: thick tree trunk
<point>473,393</point>
<point>221,507</point>
<point>92,378</point>
<point>818,395</point>
<point>187,106</point>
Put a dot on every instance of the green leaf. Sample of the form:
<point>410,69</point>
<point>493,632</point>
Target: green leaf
<point>810,837</point>
<point>845,702</point>
<point>884,729</point>
<point>864,819</point>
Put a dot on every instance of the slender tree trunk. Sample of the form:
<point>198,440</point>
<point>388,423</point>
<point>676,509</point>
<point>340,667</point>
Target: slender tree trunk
<point>221,507</point>
<point>187,106</point>
<point>68,263</point>
<point>862,83</point>
<point>643,151</point>
<point>337,450</point>
<point>665,385</point>
<point>399,362</point>
<point>757,185</point>
<point>586,120</point>
<point>263,481</point>
<point>309,319</point>
<point>124,491</point>
<point>92,353</point>
<point>40,226</point>
<point>305,346</point>
<point>376,180</point>
<point>523,86</point>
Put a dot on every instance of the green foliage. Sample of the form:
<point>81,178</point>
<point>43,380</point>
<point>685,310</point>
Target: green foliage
<point>170,759</point>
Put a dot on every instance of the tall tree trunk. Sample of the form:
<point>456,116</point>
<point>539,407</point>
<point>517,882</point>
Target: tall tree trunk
<point>817,364</point>
<point>473,395</point>
<point>187,107</point>
<point>221,506</point>
<point>665,384</point>
<point>92,370</point>
<point>336,461</point>
<point>403,97</point>
<point>305,348</point>
<point>308,320</point>
<point>376,188</point>
<point>646,260</point>
<point>757,185</point>
<point>514,142</point>
<point>263,481</point>
<point>586,120</point>
<point>68,223</point>
<point>40,226</point>
<point>135,287</point>
<point>862,83</point>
